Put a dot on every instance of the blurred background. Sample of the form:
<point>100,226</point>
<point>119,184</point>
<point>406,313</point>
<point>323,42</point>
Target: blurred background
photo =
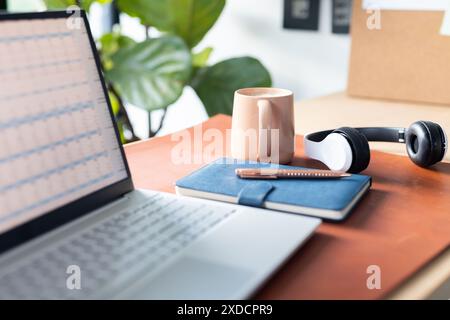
<point>311,63</point>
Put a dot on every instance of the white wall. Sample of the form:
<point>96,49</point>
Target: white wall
<point>309,63</point>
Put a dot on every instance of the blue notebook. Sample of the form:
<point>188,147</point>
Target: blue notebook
<point>331,199</point>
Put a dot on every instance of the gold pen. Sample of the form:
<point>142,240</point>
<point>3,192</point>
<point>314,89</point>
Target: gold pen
<point>268,173</point>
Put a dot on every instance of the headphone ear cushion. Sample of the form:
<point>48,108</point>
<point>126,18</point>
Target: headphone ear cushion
<point>425,143</point>
<point>360,148</point>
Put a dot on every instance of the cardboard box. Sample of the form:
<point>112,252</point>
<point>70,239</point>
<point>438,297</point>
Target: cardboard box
<point>401,50</point>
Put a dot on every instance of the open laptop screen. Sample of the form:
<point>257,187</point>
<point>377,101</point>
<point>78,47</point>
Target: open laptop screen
<point>58,141</point>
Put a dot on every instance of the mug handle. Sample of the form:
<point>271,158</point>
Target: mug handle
<point>265,120</point>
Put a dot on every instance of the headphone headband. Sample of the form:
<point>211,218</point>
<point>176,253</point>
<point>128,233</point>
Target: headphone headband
<point>347,149</point>
<point>371,133</point>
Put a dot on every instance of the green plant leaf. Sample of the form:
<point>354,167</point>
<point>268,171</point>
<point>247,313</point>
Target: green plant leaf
<point>116,109</point>
<point>189,19</point>
<point>114,103</point>
<point>109,44</point>
<point>62,4</point>
<point>59,4</point>
<point>151,74</point>
<point>150,12</point>
<point>216,85</point>
<point>201,58</point>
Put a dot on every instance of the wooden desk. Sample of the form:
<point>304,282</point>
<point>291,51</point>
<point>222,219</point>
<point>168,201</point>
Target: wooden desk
<point>401,224</point>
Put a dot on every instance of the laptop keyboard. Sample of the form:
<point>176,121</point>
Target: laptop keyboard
<point>139,239</point>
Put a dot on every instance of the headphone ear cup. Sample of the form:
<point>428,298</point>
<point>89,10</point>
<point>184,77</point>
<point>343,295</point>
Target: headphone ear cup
<point>425,143</point>
<point>360,148</point>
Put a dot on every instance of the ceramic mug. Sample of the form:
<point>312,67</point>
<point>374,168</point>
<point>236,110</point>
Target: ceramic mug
<point>263,125</point>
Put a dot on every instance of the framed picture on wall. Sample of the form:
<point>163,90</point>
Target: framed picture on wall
<point>301,14</point>
<point>342,13</point>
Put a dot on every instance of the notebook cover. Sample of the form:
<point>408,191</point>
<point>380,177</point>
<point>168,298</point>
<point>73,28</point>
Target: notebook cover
<point>330,194</point>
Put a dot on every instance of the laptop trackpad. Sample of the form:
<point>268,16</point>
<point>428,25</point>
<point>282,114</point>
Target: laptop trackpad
<point>192,278</point>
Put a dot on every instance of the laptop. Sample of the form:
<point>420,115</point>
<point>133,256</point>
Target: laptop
<point>72,225</point>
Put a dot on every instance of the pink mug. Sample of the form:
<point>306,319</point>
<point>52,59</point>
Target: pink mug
<point>263,125</point>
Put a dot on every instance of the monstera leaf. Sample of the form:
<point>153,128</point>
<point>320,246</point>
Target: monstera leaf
<point>189,19</point>
<point>215,85</point>
<point>151,74</point>
<point>63,4</point>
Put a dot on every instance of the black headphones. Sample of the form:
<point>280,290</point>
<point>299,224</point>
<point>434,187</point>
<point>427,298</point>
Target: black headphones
<point>347,149</point>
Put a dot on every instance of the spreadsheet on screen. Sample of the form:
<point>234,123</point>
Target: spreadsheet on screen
<point>58,140</point>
